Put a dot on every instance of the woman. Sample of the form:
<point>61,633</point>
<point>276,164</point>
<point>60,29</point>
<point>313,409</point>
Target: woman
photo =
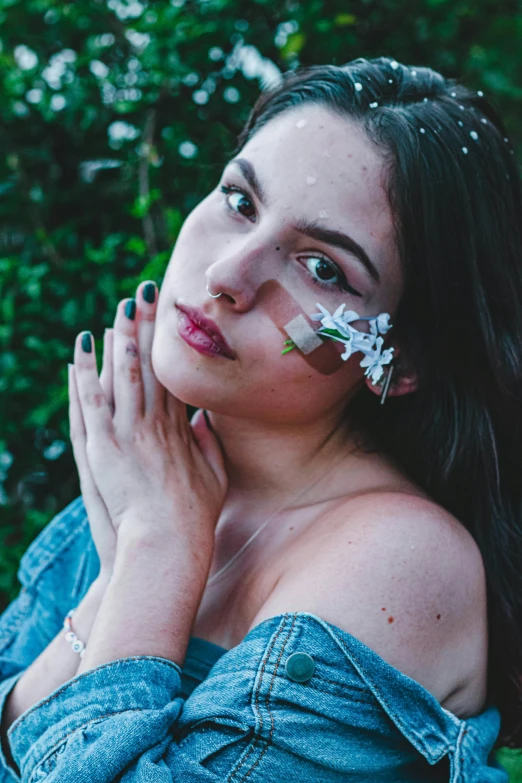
<point>297,584</point>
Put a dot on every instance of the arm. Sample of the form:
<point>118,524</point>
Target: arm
<point>54,666</point>
<point>150,603</point>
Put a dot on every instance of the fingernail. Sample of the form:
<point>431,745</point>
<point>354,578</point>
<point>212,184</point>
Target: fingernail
<point>149,292</point>
<point>86,342</point>
<point>130,309</point>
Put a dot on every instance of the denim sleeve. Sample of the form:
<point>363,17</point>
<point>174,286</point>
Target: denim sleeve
<point>261,714</point>
<point>112,723</point>
<point>298,699</point>
<point>54,573</point>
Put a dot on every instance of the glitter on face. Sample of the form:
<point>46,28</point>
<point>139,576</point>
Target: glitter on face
<point>301,123</point>
<point>358,86</point>
<point>311,180</point>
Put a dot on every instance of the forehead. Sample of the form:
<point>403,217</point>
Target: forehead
<point>313,163</point>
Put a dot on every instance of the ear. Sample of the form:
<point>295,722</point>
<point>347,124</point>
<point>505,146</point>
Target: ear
<point>403,381</point>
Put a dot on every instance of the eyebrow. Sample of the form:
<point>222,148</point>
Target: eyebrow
<point>312,229</point>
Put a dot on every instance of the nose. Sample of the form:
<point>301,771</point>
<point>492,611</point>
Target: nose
<point>239,272</point>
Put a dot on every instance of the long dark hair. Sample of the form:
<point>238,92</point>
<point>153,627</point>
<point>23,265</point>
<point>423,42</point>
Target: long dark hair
<point>454,191</point>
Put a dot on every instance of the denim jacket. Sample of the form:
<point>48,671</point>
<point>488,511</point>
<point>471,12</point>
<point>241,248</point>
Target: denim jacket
<point>298,700</point>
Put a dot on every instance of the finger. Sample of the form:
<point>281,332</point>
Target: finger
<point>147,298</point>
<point>92,500</point>
<point>76,423</point>
<point>127,384</point>
<point>106,375</point>
<point>95,410</point>
<point>209,445</point>
<point>176,411</point>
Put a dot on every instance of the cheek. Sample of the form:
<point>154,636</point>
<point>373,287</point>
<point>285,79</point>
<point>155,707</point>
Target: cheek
<point>196,240</point>
<point>282,307</point>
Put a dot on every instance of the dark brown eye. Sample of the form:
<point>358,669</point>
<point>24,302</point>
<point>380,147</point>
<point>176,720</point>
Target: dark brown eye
<point>239,202</point>
<point>324,271</point>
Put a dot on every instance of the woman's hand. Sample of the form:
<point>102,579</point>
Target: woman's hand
<point>160,476</point>
<point>102,530</point>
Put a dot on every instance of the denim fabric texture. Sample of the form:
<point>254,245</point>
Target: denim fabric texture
<point>230,716</point>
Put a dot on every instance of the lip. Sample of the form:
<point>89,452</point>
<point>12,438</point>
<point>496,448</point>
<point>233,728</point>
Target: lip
<point>201,333</point>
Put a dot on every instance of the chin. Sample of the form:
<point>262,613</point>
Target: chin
<point>187,383</point>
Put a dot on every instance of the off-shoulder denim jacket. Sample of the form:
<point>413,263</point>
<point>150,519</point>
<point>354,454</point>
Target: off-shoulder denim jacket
<point>298,700</point>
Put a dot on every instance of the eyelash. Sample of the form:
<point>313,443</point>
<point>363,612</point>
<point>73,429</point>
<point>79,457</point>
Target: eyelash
<point>343,283</point>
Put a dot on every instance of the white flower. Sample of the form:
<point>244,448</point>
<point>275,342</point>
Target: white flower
<point>374,360</point>
<point>328,321</point>
<point>381,324</point>
<point>338,322</point>
<point>337,327</point>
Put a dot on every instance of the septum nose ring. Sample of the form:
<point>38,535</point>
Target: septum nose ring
<point>214,296</point>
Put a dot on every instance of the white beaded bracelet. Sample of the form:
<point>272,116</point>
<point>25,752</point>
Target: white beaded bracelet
<point>77,645</point>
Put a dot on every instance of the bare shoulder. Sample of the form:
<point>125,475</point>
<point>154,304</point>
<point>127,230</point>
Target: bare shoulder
<point>403,576</point>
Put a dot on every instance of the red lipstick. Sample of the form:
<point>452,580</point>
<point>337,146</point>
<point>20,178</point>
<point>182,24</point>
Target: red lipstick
<point>201,333</point>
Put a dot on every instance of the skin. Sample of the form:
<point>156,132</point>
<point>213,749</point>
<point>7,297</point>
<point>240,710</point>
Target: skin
<point>273,413</point>
<point>279,428</point>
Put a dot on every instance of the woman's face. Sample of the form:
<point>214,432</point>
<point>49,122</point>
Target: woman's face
<point>261,239</point>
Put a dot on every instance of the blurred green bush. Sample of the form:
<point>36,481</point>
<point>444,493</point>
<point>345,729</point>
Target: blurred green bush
<point>116,119</point>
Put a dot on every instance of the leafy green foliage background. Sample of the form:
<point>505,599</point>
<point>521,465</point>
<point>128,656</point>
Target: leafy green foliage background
<point>116,119</point>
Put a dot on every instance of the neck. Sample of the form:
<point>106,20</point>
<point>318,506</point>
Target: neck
<point>267,460</point>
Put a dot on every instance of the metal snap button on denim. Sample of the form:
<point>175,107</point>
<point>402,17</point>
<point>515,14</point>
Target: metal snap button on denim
<point>299,667</point>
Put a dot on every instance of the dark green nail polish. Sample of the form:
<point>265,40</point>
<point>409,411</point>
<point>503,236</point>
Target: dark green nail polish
<point>149,292</point>
<point>130,309</point>
<point>86,342</point>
